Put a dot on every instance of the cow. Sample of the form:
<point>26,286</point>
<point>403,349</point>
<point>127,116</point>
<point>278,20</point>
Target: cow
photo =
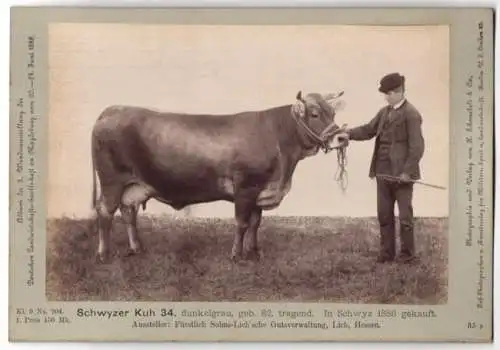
<point>180,159</point>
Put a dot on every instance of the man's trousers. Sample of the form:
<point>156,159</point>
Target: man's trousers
<point>389,193</point>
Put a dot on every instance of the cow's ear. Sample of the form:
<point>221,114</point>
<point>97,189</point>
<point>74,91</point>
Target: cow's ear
<point>299,109</point>
<point>299,96</point>
<point>337,105</point>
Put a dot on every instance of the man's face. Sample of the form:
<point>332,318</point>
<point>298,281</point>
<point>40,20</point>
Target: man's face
<point>393,97</point>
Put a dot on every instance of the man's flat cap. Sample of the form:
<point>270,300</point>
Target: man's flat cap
<point>390,82</point>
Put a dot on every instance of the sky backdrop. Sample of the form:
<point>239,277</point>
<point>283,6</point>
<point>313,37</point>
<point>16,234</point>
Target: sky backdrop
<point>227,69</point>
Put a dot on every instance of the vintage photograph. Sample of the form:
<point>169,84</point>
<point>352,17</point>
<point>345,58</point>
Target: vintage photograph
<point>270,163</point>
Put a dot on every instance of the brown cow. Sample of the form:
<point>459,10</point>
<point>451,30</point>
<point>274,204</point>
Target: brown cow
<point>246,158</point>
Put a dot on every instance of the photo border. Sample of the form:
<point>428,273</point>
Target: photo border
<point>456,321</point>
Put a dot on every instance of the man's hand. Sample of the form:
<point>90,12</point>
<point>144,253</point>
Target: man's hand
<point>343,137</point>
<point>405,178</point>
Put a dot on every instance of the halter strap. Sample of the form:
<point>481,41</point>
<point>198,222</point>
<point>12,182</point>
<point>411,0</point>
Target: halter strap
<point>322,140</point>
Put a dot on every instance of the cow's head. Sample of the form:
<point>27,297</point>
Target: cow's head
<point>315,113</point>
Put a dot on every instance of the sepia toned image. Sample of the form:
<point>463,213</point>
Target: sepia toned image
<point>251,174</point>
<point>290,163</point>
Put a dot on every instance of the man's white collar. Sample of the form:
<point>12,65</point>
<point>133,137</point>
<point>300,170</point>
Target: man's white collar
<point>399,104</point>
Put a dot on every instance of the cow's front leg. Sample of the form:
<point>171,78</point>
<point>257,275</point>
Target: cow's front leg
<point>253,248</point>
<point>243,211</point>
<point>129,214</point>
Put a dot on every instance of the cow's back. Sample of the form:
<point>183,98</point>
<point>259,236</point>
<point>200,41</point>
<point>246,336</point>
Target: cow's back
<point>183,154</point>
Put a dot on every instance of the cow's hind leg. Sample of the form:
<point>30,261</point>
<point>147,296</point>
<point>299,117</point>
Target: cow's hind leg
<point>133,196</point>
<point>253,248</point>
<point>106,208</point>
<point>129,214</point>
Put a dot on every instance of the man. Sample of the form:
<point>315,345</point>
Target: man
<point>399,147</point>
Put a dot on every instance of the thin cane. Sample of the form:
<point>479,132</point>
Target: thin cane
<point>395,178</point>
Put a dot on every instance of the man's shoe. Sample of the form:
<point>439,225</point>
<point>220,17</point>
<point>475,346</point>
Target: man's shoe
<point>407,258</point>
<point>384,259</point>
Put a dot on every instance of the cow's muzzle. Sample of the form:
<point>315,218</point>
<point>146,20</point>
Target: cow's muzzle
<point>328,136</point>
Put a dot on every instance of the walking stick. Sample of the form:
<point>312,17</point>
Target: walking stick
<point>395,178</point>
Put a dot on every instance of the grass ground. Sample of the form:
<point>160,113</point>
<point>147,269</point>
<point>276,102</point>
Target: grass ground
<point>303,259</point>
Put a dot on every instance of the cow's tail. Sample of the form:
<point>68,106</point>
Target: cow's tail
<point>94,215</point>
<point>94,189</point>
<point>94,179</point>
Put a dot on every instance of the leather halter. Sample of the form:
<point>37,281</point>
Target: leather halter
<point>322,139</point>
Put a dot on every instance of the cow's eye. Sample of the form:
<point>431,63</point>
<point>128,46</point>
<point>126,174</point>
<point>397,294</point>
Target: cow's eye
<point>314,115</point>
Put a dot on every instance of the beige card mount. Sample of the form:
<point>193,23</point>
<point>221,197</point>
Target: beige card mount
<point>250,175</point>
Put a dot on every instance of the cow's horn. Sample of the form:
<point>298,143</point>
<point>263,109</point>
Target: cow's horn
<point>328,97</point>
<point>332,96</point>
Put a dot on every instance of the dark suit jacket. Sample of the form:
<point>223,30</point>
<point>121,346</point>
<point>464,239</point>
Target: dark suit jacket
<point>407,147</point>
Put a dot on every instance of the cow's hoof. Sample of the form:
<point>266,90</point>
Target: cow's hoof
<point>253,255</point>
<point>132,252</point>
<point>102,258</point>
<point>235,258</point>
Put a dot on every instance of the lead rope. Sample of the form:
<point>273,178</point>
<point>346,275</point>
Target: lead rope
<point>341,174</point>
